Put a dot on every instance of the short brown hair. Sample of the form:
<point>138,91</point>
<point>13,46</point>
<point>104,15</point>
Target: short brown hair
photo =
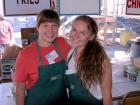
<point>47,15</point>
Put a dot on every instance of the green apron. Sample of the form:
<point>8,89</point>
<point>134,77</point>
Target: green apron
<point>50,87</point>
<point>78,95</point>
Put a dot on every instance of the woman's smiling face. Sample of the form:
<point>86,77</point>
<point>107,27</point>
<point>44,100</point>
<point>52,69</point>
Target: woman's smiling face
<point>80,33</point>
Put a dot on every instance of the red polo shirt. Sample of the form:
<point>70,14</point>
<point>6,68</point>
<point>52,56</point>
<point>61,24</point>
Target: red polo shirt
<point>27,61</point>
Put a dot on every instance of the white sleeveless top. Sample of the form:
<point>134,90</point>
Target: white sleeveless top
<point>95,91</point>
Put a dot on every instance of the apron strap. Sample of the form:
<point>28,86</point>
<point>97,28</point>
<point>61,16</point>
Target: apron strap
<point>57,49</point>
<point>38,52</point>
<point>69,58</point>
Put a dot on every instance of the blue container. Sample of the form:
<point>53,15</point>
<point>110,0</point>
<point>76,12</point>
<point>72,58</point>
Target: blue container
<point>135,50</point>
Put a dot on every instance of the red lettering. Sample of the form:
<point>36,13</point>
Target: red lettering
<point>138,4</point>
<point>129,3</point>
<point>133,3</point>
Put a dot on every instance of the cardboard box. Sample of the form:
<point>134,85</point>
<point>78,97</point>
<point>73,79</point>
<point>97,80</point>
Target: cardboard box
<point>11,52</point>
<point>7,62</point>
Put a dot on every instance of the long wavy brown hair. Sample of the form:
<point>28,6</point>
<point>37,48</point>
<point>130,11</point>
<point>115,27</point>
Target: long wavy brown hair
<point>90,62</point>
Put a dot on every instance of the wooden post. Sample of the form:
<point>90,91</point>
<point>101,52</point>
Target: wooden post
<point>105,21</point>
<point>114,21</point>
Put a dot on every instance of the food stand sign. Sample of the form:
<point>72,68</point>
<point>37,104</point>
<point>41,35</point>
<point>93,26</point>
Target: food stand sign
<point>24,7</point>
<point>132,7</point>
<point>78,7</point>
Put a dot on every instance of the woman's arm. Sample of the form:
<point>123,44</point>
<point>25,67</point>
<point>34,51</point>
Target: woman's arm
<point>20,93</point>
<point>106,84</point>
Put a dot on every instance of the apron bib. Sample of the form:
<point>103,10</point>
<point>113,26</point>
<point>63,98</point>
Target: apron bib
<point>78,95</point>
<point>50,87</point>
